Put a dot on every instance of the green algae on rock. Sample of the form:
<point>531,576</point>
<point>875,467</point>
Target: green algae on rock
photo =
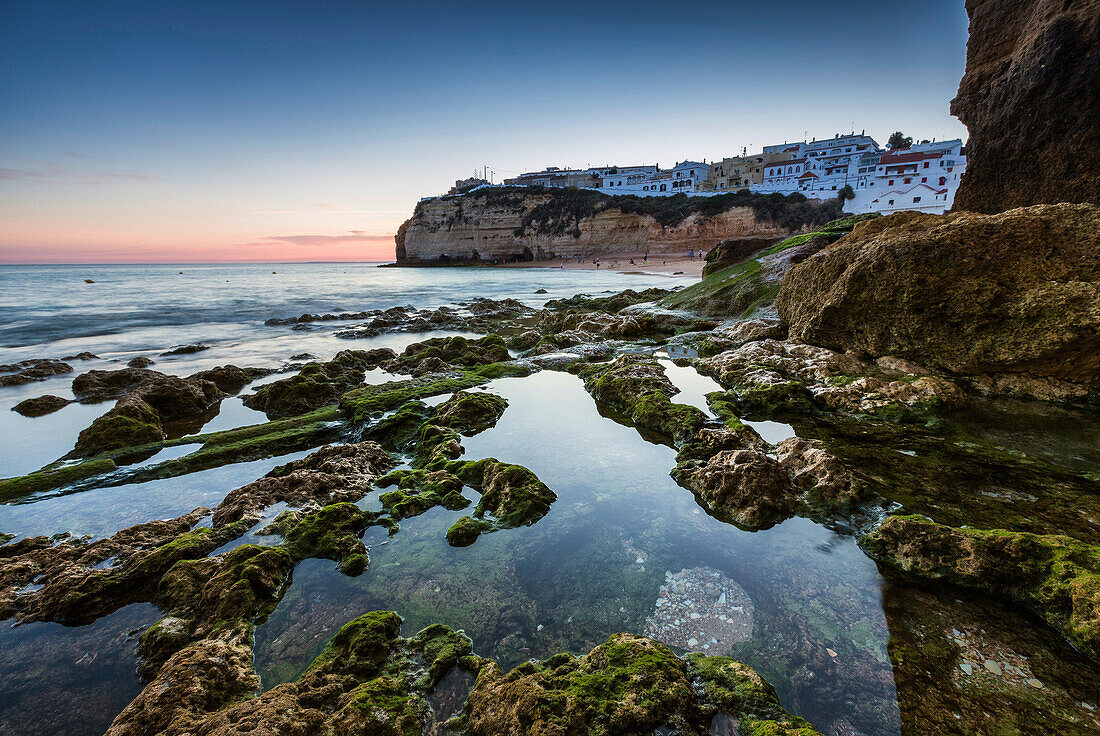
<point>627,685</point>
<point>470,413</point>
<point>466,530</point>
<point>367,680</point>
<point>316,384</point>
<point>637,386</point>
<point>1056,576</point>
<point>362,403</point>
<point>443,352</point>
<point>45,479</point>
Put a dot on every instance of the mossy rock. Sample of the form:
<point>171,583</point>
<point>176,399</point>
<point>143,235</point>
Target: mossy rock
<point>419,491</point>
<point>511,493</point>
<point>637,386</point>
<point>455,351</point>
<point>466,530</point>
<point>1056,576</point>
<point>43,480</point>
<point>366,401</point>
<point>470,413</point>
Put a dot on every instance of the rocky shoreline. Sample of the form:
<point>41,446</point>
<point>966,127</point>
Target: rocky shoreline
<point>871,458</point>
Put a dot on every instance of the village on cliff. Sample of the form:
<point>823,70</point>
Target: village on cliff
<point>905,176</point>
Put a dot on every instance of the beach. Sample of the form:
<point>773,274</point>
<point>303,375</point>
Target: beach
<point>678,264</point>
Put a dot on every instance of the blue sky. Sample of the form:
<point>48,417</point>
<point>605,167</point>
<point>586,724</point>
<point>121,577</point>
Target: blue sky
<point>293,130</point>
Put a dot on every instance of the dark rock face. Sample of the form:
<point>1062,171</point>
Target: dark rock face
<point>1031,100</point>
<point>187,349</point>
<point>1014,293</point>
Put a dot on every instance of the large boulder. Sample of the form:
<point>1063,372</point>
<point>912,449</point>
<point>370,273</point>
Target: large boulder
<point>1017,292</point>
<point>1031,100</point>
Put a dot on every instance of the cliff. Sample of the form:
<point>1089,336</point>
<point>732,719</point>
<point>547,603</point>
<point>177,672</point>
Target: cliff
<point>536,223</point>
<point>1030,98</point>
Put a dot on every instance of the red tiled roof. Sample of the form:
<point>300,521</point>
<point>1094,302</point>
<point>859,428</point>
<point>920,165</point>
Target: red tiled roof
<point>893,159</point>
<point>808,173</point>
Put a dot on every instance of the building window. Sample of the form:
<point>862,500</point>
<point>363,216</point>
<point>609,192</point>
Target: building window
<point>890,202</point>
<point>908,180</point>
<point>916,199</point>
<point>924,180</point>
<point>926,164</point>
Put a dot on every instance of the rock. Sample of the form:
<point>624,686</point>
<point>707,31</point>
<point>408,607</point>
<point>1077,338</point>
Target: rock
<point>141,416</point>
<point>368,680</point>
<point>1016,307</point>
<point>746,487</point>
<point>187,349</point>
<point>99,385</point>
<point>637,386</point>
<point>1056,576</point>
<point>82,356</point>
<point>140,362</point>
<point>735,250</point>
<point>316,384</point>
<point>627,685</point>
<point>335,473</point>
<point>465,531</point>
<point>452,352</point>
<point>40,405</point>
<point>541,291</point>
<point>470,413</point>
<point>230,378</point>
<point>1030,93</point>
<point>35,369</point>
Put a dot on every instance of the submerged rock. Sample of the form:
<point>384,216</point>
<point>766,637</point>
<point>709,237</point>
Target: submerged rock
<point>701,610</point>
<point>40,405</point>
<point>1013,308</point>
<point>451,352</point>
<point>140,362</point>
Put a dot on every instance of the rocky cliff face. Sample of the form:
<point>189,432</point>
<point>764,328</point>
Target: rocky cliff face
<point>1031,100</point>
<point>547,225</point>
<point>1014,293</point>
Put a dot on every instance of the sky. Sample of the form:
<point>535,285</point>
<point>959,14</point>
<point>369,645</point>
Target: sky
<point>307,131</point>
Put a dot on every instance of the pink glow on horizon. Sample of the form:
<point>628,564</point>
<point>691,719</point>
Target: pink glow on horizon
<point>297,248</point>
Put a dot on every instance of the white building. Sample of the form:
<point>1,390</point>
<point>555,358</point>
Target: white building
<point>924,178</point>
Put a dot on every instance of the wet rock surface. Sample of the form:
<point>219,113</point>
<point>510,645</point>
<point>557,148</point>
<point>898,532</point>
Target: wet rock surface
<point>316,384</point>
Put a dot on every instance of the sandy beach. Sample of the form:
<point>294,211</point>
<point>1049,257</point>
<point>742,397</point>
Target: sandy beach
<point>626,262</point>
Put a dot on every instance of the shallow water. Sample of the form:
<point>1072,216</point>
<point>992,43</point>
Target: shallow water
<point>594,566</point>
<point>72,681</point>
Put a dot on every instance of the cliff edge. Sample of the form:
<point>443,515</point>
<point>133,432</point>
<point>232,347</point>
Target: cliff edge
<point>1030,98</point>
<point>543,223</point>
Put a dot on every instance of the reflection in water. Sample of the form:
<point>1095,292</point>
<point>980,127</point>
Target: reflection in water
<point>596,563</point>
<point>102,511</point>
<point>966,665</point>
<point>72,681</point>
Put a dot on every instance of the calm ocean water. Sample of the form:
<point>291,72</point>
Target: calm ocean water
<point>52,309</point>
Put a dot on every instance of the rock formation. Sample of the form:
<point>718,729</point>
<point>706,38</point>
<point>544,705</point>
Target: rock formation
<point>1014,293</point>
<point>518,224</point>
<point>1031,100</point>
